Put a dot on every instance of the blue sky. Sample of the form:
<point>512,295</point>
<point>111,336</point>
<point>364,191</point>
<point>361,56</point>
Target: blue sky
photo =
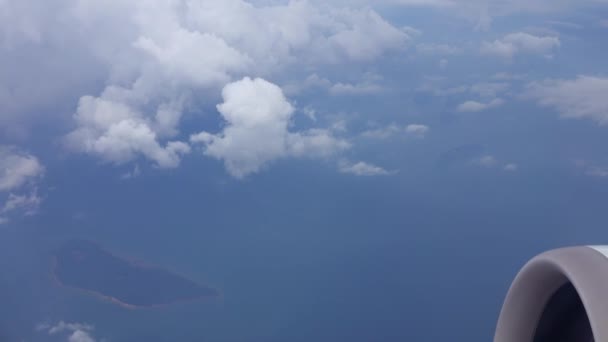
<point>417,149</point>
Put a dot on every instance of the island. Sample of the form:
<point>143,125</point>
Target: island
<point>84,265</point>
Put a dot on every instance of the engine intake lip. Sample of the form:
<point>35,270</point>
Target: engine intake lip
<point>576,276</point>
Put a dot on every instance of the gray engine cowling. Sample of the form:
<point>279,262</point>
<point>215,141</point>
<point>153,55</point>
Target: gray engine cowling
<point>558,296</point>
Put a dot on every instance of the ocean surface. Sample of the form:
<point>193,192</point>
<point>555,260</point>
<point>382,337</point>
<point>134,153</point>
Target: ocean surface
<point>319,260</point>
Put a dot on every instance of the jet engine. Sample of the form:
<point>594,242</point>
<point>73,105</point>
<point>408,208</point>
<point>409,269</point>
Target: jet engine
<point>558,296</point>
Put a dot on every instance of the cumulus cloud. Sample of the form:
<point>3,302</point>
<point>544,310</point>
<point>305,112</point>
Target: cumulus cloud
<point>257,118</point>
<point>160,60</point>
<point>17,168</point>
<point>581,98</point>
<point>362,169</point>
<point>520,43</point>
<point>19,175</point>
<point>74,332</point>
<point>118,134</point>
<point>474,106</point>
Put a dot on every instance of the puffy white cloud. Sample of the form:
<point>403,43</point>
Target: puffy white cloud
<point>74,332</point>
<point>257,117</point>
<point>474,106</point>
<point>160,59</point>
<point>17,168</point>
<point>362,169</point>
<point>582,97</point>
<point>80,336</point>
<point>511,167</point>
<point>118,134</point>
<point>520,42</point>
<point>19,172</point>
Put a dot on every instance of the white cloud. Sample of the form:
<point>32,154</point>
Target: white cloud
<point>417,130</point>
<point>481,12</point>
<point>487,161</point>
<point>80,336</point>
<point>256,132</point>
<point>74,332</point>
<point>411,31</point>
<point>393,129</point>
<point>17,168</point>
<point>26,203</point>
<point>596,171</point>
<point>443,63</point>
<point>368,84</point>
<point>161,59</point>
<point>362,169</point>
<point>383,132</point>
<point>19,175</point>
<point>118,134</point>
<point>363,88</point>
<point>591,169</point>
<point>136,172</point>
<point>487,90</point>
<point>582,97</point>
<point>565,24</point>
<point>474,106</point>
<point>520,42</point>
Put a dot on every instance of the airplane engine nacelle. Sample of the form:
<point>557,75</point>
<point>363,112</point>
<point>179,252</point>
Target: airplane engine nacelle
<point>561,295</point>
